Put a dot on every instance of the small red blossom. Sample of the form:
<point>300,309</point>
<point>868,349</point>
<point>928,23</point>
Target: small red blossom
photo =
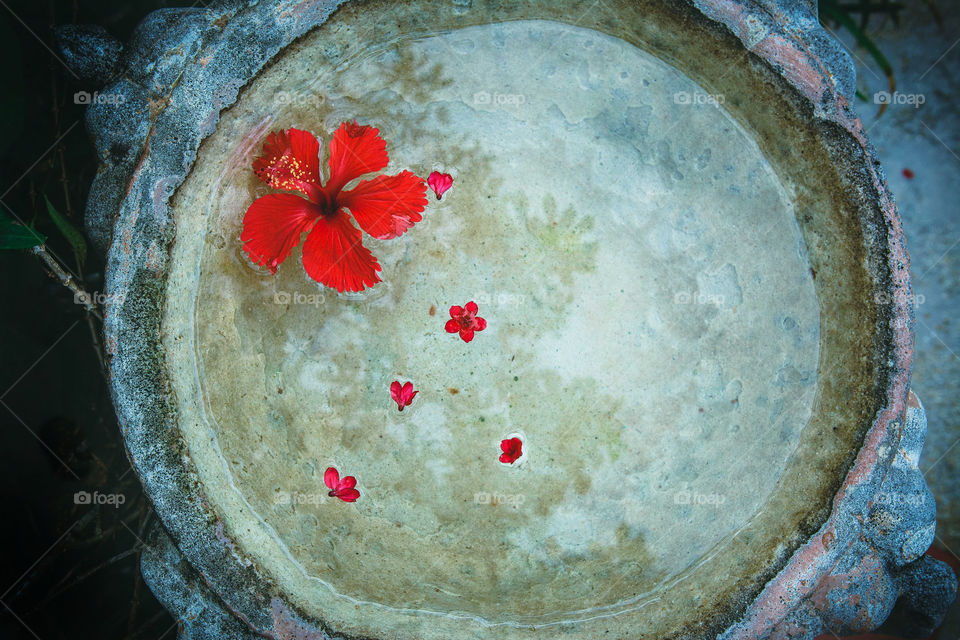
<point>439,182</point>
<point>465,321</point>
<point>908,174</point>
<point>342,488</point>
<point>512,450</point>
<point>333,253</point>
<point>402,395</point>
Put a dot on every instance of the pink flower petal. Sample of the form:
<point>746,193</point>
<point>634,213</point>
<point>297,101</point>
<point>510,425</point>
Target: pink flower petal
<point>512,450</point>
<point>464,320</point>
<point>348,495</point>
<point>439,182</point>
<point>343,489</point>
<point>331,478</point>
<point>402,395</point>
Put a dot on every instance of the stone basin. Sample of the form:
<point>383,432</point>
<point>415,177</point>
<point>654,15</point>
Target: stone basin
<point>698,314</point>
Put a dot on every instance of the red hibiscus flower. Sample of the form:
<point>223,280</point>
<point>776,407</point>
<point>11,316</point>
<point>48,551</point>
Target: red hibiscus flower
<point>342,488</point>
<point>512,449</point>
<point>439,182</point>
<point>333,253</point>
<point>465,321</point>
<point>403,396</point>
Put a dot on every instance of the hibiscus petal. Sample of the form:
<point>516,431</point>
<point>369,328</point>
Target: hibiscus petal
<point>348,482</point>
<point>272,227</point>
<point>386,206</point>
<point>395,390</point>
<point>456,311</point>
<point>439,182</point>
<point>479,324</point>
<point>354,151</point>
<point>331,477</point>
<point>290,161</point>
<point>348,495</point>
<point>472,308</point>
<point>334,255</point>
<point>452,326</point>
<point>466,334</point>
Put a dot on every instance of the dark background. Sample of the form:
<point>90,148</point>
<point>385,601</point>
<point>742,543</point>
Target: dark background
<point>71,570</point>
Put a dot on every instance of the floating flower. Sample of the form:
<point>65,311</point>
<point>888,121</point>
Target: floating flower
<point>333,254</point>
<point>403,396</point>
<point>439,182</point>
<point>465,321</point>
<point>512,449</point>
<point>342,488</point>
<point>908,174</point>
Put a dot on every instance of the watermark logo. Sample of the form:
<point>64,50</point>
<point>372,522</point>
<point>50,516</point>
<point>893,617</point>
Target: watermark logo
<point>97,298</point>
<point>85,97</point>
<point>499,99</point>
<point>509,499</point>
<point>504,298</point>
<point>287,298</point>
<point>893,499</point>
<point>686,297</point>
<point>884,297</point>
<point>897,98</point>
<point>688,497</point>
<point>298,98</point>
<point>698,97</point>
<point>112,499</point>
<point>296,497</point>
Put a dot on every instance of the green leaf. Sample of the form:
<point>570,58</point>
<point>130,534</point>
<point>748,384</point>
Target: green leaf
<point>70,232</point>
<point>842,18</point>
<point>831,10</point>
<point>18,236</point>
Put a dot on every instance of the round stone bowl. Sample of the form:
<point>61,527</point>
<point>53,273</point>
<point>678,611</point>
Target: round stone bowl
<point>698,323</point>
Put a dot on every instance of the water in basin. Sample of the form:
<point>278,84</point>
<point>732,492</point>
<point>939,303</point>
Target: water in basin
<point>652,333</point>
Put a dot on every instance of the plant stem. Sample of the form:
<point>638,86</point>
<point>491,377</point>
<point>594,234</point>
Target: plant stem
<point>58,273</point>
